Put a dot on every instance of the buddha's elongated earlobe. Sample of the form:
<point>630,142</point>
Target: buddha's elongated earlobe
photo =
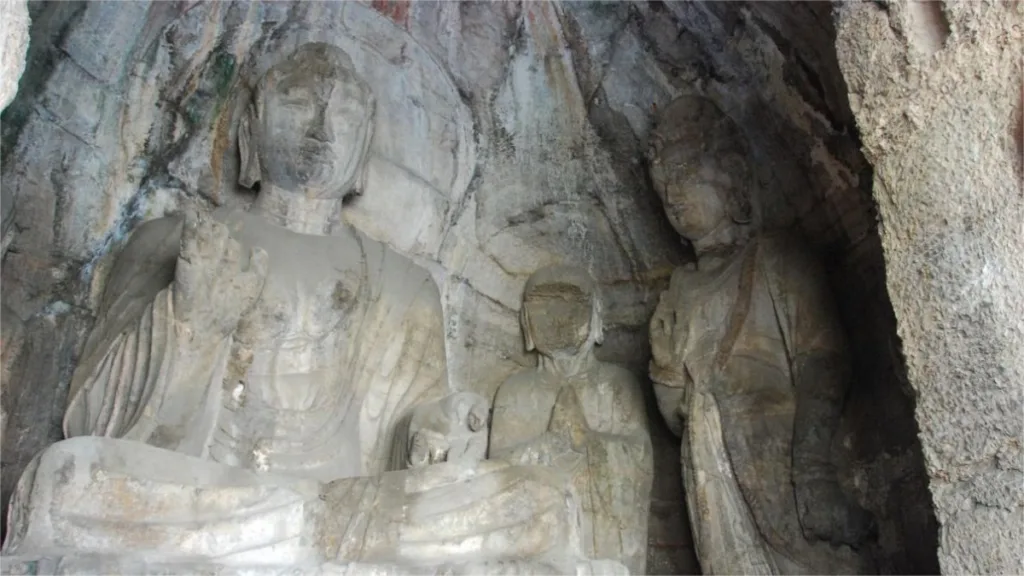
<point>367,141</point>
<point>524,321</point>
<point>249,170</point>
<point>596,324</point>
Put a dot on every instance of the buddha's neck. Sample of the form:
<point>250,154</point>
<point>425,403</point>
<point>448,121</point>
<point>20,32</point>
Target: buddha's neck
<point>298,211</point>
<point>720,246</point>
<point>567,365</point>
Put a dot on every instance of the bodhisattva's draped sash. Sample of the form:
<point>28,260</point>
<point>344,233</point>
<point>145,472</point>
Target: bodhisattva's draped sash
<point>719,513</point>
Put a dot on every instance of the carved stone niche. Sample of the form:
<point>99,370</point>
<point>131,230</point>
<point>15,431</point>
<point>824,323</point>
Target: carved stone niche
<point>236,404</point>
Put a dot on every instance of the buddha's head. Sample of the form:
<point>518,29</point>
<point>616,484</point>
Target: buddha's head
<point>699,168</point>
<point>561,313</point>
<point>309,125</point>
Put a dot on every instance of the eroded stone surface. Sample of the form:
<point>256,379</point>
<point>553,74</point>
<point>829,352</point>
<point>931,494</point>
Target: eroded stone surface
<point>937,91</point>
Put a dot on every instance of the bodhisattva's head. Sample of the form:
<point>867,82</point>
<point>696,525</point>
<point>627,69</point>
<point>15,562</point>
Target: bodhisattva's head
<point>561,313</point>
<point>309,125</point>
<point>699,169</point>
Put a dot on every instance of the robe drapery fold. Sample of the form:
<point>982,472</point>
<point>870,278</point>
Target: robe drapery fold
<point>737,443</point>
<point>144,377</point>
<point>128,394</point>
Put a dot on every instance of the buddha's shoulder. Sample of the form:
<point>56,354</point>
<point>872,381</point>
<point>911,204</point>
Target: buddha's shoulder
<point>399,277</point>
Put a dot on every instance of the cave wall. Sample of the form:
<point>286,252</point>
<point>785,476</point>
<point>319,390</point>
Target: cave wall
<point>558,100</point>
<point>938,93</point>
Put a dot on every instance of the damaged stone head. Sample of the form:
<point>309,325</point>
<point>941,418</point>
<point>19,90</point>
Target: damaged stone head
<point>699,168</point>
<point>451,429</point>
<point>561,313</point>
<point>309,126</point>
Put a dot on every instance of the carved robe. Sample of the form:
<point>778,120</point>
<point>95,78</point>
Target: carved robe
<point>593,426</point>
<point>727,346</point>
<point>346,337</point>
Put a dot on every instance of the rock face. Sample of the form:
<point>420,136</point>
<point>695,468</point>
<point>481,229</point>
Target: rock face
<point>937,91</point>
<point>536,157</point>
<point>13,46</point>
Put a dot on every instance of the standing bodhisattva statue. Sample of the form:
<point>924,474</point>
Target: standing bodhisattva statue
<point>750,367</point>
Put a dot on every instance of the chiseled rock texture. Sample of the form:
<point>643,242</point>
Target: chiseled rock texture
<point>127,111</point>
<point>13,45</point>
<point>938,92</point>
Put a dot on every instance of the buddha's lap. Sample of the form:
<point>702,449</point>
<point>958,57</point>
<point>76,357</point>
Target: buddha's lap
<point>91,492</point>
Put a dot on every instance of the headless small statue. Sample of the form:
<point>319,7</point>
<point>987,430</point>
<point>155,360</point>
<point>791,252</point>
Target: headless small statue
<point>581,415</point>
<point>750,367</point>
<point>236,403</point>
<point>452,429</point>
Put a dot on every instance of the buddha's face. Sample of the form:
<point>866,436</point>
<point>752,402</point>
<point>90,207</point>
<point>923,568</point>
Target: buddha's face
<point>559,318</point>
<point>694,188</point>
<point>312,131</point>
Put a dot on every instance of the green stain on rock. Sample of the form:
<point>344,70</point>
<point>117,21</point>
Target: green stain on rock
<point>223,72</point>
<point>214,87</point>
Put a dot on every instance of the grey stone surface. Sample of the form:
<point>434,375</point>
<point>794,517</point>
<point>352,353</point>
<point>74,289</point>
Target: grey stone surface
<point>557,99</point>
<point>937,91</point>
<point>13,47</point>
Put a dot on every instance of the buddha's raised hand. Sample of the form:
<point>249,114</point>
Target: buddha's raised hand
<point>214,282</point>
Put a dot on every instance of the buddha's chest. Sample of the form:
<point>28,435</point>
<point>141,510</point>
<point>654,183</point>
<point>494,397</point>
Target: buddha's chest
<point>301,326</point>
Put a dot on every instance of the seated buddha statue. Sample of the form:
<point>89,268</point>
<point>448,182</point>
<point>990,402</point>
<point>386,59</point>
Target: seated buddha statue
<point>236,402</point>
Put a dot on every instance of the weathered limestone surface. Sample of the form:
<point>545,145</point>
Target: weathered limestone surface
<point>938,92</point>
<point>240,397</point>
<point>13,46</point>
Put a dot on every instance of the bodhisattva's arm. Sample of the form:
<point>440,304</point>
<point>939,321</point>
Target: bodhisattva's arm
<point>152,367</point>
<point>668,331</point>
<point>821,369</point>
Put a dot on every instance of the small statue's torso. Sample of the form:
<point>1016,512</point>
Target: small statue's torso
<point>523,407</point>
<point>296,409</point>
